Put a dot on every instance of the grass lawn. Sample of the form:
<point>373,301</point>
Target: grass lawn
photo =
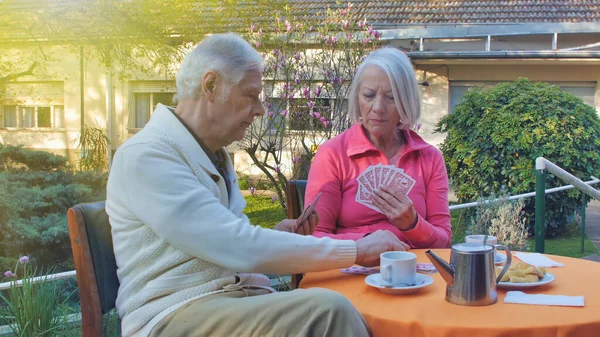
<point>263,212</point>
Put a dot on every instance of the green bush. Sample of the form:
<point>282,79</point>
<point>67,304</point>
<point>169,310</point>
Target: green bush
<point>495,134</point>
<point>36,190</point>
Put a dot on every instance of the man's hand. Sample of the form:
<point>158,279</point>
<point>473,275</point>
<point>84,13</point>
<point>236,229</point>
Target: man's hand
<point>306,228</point>
<point>371,246</point>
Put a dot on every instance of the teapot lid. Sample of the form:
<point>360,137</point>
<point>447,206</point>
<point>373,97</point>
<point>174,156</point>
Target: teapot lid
<point>472,247</point>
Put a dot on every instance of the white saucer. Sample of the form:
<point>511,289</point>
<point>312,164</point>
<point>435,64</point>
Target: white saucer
<point>548,278</point>
<point>374,280</point>
<point>499,258</point>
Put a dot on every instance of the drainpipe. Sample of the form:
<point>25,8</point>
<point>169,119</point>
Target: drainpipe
<point>110,104</point>
<point>507,54</point>
<point>81,90</point>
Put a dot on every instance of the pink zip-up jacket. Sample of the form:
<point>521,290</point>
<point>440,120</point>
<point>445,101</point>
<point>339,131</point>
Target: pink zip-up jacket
<point>338,163</point>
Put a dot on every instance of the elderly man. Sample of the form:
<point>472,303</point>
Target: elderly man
<point>188,258</point>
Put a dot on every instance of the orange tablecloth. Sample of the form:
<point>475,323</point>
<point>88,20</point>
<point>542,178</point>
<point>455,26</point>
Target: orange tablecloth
<point>427,313</point>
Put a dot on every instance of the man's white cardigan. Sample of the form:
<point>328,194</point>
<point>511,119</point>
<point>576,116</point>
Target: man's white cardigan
<point>176,234</point>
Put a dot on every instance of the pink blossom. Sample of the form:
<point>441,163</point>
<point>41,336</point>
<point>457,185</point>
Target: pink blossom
<point>260,32</point>
<point>284,113</point>
<point>277,169</point>
<point>344,12</point>
<point>298,56</point>
<point>376,34</point>
<point>252,190</point>
<point>24,259</point>
<point>306,93</point>
<point>273,199</point>
<point>278,20</point>
<point>271,114</point>
<point>297,80</point>
<point>296,160</point>
<point>252,28</point>
<point>310,104</point>
<point>318,91</point>
<point>325,123</point>
<point>360,24</point>
<point>349,5</point>
<point>345,24</point>
<point>288,26</point>
<point>9,274</point>
<point>317,114</point>
<point>258,44</point>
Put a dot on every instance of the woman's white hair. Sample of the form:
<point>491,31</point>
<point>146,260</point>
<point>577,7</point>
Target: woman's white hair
<point>403,81</point>
<point>228,55</point>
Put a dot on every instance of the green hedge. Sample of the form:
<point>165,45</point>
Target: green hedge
<point>495,134</point>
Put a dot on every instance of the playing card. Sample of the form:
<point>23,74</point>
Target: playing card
<point>426,268</point>
<point>402,182</point>
<point>359,270</point>
<point>364,180</point>
<point>377,175</point>
<point>369,175</point>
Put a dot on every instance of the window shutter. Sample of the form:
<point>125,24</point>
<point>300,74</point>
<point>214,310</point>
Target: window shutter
<point>34,93</point>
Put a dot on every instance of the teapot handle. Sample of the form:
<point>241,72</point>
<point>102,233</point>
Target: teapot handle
<point>507,264</point>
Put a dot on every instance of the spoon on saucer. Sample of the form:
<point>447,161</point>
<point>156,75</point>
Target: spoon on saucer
<point>401,285</point>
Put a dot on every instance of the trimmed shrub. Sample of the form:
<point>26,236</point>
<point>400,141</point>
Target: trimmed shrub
<point>36,190</point>
<point>495,135</point>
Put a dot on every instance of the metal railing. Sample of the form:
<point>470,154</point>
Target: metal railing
<point>542,164</point>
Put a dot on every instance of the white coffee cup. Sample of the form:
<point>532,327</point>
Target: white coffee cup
<point>491,240</point>
<point>398,268</point>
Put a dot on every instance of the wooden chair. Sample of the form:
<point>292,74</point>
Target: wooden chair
<point>295,205</point>
<point>91,242</point>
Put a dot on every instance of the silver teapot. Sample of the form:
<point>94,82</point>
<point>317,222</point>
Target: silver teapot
<point>470,275</point>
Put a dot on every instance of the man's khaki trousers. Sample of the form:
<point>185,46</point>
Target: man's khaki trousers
<point>311,313</point>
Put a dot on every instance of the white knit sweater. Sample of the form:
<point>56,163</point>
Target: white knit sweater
<point>178,237</point>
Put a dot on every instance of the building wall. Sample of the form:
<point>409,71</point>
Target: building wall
<point>436,95</point>
<point>435,102</point>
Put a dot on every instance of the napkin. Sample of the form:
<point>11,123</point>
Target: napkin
<point>538,260</point>
<point>520,297</point>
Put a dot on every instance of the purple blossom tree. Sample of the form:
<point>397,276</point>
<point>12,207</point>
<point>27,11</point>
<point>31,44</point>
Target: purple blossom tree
<point>309,66</point>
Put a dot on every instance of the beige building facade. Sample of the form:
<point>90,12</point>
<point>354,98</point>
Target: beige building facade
<point>48,113</point>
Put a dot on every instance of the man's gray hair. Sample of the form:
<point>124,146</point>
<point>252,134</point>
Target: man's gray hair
<point>403,81</point>
<point>228,55</point>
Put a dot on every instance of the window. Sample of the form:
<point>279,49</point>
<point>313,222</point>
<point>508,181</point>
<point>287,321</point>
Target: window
<point>18,116</point>
<point>584,90</point>
<point>146,96</point>
<point>32,105</point>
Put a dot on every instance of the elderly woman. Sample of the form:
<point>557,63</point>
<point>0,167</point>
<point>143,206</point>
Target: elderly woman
<point>384,104</point>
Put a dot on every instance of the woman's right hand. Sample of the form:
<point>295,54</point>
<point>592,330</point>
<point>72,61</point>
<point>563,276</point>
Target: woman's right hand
<point>371,246</point>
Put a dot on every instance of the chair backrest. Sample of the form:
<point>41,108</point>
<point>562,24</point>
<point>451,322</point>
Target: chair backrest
<point>295,198</point>
<point>295,206</point>
<point>92,246</point>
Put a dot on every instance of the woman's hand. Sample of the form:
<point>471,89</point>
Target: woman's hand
<point>396,206</point>
<point>306,228</point>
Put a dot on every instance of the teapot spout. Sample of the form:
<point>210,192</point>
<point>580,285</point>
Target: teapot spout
<point>445,269</point>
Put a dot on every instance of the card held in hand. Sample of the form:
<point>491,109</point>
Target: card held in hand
<point>381,175</point>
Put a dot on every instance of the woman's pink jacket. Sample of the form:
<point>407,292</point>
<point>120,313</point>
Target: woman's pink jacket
<point>338,163</point>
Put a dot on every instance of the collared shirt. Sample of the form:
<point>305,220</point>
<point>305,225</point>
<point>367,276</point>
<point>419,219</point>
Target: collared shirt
<point>217,158</point>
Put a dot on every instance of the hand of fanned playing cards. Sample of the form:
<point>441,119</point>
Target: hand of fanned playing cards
<point>375,176</point>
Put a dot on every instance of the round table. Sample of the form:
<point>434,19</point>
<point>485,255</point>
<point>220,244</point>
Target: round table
<point>427,313</point>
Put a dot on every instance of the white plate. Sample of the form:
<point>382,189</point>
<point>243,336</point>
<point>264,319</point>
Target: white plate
<point>374,280</point>
<point>545,280</point>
